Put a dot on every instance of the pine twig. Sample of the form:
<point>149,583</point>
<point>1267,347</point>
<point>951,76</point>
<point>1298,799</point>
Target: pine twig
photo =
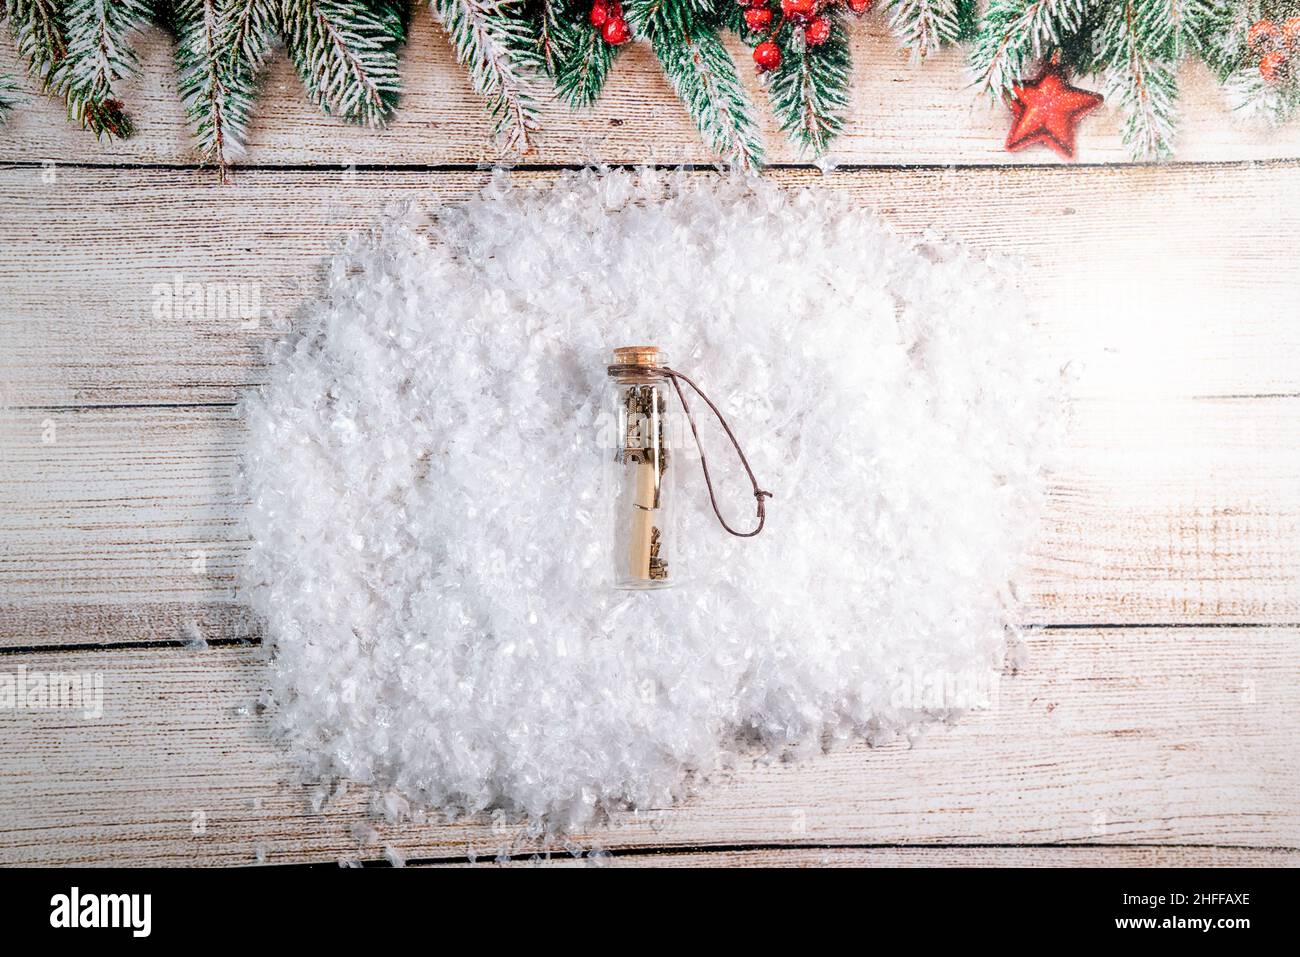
<point>10,96</point>
<point>549,20</point>
<point>346,54</point>
<point>1013,33</point>
<point>809,90</point>
<point>250,29</point>
<point>38,33</point>
<point>217,78</point>
<point>99,54</point>
<point>922,26</point>
<point>1137,42</point>
<point>702,74</point>
<point>582,61</point>
<point>494,41</point>
<point>1218,30</point>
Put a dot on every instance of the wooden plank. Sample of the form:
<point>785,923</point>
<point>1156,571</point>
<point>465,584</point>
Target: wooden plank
<point>1161,511</point>
<point>1112,737</point>
<point>898,114</point>
<point>1151,281</point>
<point>1108,856</point>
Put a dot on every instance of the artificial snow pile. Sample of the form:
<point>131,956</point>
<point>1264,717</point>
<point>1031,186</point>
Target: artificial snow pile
<point>431,552</point>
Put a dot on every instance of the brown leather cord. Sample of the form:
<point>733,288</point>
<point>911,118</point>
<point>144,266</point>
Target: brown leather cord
<point>759,494</point>
<point>674,375</point>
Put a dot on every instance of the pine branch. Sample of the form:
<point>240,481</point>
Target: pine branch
<point>346,54</point>
<point>1255,98</point>
<point>649,17</point>
<point>10,95</point>
<point>1214,30</point>
<point>99,54</point>
<point>809,90</point>
<point>249,29</point>
<point>1137,42</point>
<point>549,19</point>
<point>582,61</point>
<point>38,33</point>
<point>1014,33</point>
<point>684,37</point>
<point>217,78</point>
<point>495,42</point>
<point>922,26</point>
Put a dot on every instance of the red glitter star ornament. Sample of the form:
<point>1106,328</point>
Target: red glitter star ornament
<point>1047,111</point>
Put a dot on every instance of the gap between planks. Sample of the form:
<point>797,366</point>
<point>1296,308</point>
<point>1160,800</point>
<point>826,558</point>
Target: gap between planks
<point>899,855</point>
<point>711,168</point>
<point>161,625</point>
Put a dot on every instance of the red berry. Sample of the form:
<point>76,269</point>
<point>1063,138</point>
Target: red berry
<point>1262,33</point>
<point>797,9</point>
<point>859,6</point>
<point>599,13</point>
<point>615,31</point>
<point>1271,65</point>
<point>818,32</point>
<point>767,55</point>
<point>1291,31</point>
<point>758,18</point>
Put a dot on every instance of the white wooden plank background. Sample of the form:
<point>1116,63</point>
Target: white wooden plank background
<point>1159,281</point>
<point>1155,723</point>
<point>1146,736</point>
<point>1162,510</point>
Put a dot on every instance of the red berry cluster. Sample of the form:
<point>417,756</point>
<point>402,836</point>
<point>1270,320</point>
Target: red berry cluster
<point>608,19</point>
<point>760,17</point>
<point>1276,46</point>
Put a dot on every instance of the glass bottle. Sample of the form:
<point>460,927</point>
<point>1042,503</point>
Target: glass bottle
<point>642,473</point>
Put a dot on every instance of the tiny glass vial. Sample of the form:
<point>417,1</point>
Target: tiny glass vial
<point>642,470</point>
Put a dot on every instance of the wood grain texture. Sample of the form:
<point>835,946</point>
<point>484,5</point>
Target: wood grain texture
<point>1161,511</point>
<point>1147,736</point>
<point>1169,281</point>
<point>1057,856</point>
<point>898,114</point>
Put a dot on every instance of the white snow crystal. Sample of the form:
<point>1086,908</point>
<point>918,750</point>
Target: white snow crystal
<point>428,552</point>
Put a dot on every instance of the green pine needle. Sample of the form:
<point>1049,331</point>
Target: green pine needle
<point>1215,30</point>
<point>10,95</point>
<point>684,37</point>
<point>652,17</point>
<point>37,29</point>
<point>704,77</point>
<point>99,54</point>
<point>249,29</point>
<point>923,26</point>
<point>582,60</point>
<point>1137,42</point>
<point>809,90</point>
<point>496,42</point>
<point>1014,33</point>
<point>550,17</point>
<point>217,77</point>
<point>346,54</point>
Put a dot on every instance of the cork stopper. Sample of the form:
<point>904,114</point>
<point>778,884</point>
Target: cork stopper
<point>648,356</point>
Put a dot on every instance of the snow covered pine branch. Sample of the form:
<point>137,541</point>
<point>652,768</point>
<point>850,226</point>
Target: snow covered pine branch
<point>520,53</point>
